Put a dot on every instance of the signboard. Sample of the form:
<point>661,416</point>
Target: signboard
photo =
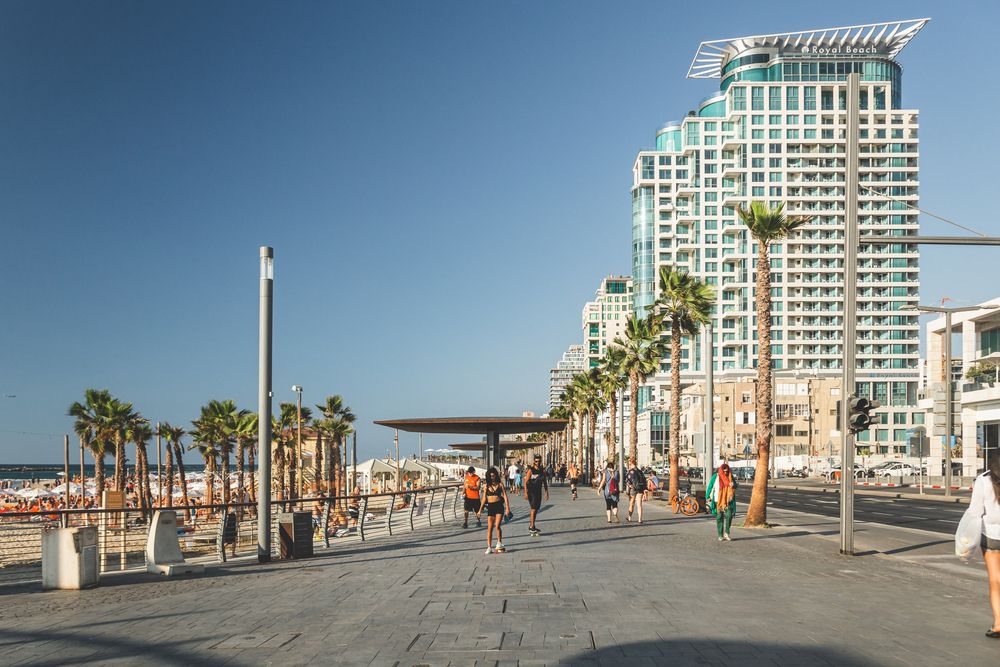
<point>113,500</point>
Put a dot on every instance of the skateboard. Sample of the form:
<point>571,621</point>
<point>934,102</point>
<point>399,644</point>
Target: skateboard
<point>500,550</point>
<point>508,516</point>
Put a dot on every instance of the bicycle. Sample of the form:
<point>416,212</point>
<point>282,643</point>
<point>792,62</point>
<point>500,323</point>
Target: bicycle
<point>685,502</point>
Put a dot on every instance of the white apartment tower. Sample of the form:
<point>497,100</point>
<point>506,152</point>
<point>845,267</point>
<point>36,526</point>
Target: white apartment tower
<point>604,318</point>
<point>560,377</point>
<point>775,131</point>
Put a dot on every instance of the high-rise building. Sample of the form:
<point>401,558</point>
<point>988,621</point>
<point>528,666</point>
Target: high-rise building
<point>604,318</point>
<point>775,131</point>
<point>560,377</point>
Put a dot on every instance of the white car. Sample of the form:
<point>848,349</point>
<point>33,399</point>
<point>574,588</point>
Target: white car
<point>896,470</point>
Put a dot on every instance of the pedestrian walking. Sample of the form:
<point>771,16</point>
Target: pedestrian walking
<point>574,477</point>
<point>471,488</point>
<point>636,481</point>
<point>562,474</point>
<point>354,509</point>
<point>511,474</point>
<point>495,503</point>
<point>721,496</point>
<point>518,476</point>
<point>534,481</point>
<point>985,503</point>
<point>610,486</point>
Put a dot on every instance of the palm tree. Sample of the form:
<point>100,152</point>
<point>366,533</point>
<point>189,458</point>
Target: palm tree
<point>687,304</point>
<point>571,401</point>
<point>206,445</point>
<point>217,425</point>
<point>592,402</point>
<point>643,349</point>
<point>88,424</point>
<point>766,226</point>
<point>282,428</point>
<point>140,434</point>
<point>335,410</point>
<point>117,419</point>
<point>559,412</point>
<point>612,380</point>
<point>319,427</point>
<point>166,431</point>
<point>245,430</point>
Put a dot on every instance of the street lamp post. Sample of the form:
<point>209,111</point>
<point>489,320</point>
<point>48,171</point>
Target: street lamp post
<point>298,445</point>
<point>264,406</point>
<point>395,439</point>
<point>948,425</point>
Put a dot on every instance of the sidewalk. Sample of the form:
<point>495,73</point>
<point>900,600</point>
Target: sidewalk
<point>584,593</point>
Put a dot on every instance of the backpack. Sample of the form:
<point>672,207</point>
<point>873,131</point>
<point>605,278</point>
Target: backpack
<point>638,480</point>
<point>613,489</point>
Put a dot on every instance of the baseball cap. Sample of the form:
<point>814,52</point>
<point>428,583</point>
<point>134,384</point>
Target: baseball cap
<point>538,457</point>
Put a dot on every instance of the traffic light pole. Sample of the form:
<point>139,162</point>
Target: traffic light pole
<point>850,319</point>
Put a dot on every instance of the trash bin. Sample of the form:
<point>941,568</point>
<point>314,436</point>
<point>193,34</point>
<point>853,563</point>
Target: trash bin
<point>295,530</point>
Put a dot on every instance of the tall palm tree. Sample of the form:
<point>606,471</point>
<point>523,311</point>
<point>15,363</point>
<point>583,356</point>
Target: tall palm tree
<point>592,402</point>
<point>559,412</point>
<point>571,401</point>
<point>206,445</point>
<point>116,421</point>
<point>140,434</point>
<point>282,429</point>
<point>766,226</point>
<point>217,424</point>
<point>166,431</point>
<point>335,410</point>
<point>613,380</point>
<point>88,424</point>
<point>643,349</point>
<point>318,427</point>
<point>686,303</point>
<point>245,431</point>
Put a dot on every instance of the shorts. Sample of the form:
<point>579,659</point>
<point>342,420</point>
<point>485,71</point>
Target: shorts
<point>353,512</point>
<point>472,504</point>
<point>494,509</point>
<point>517,481</point>
<point>611,503</point>
<point>573,480</point>
<point>634,492</point>
<point>535,499</point>
<point>989,544</point>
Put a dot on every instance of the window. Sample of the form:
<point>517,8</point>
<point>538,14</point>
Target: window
<point>774,148</point>
<point>792,98</point>
<point>710,168</point>
<point>774,98</point>
<point>835,391</point>
<point>756,120</point>
<point>756,148</point>
<point>774,134</point>
<point>739,98</point>
<point>664,173</point>
<point>757,177</point>
<point>791,134</point>
<point>692,134</point>
<point>757,98</point>
<point>775,163</point>
<point>648,164</point>
<point>757,163</point>
<point>809,120</point>
<point>774,119</point>
<point>899,434</point>
<point>809,103</point>
<point>710,155</point>
<point>783,430</point>
<point>681,173</point>
<point>756,134</point>
<point>664,160</point>
<point>809,134</point>
<point>899,418</point>
<point>757,192</point>
<point>746,397</point>
<point>791,120</point>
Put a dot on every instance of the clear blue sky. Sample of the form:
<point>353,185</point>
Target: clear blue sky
<point>444,184</point>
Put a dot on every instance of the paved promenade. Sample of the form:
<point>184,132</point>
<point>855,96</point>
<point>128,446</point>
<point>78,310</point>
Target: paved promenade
<point>585,593</point>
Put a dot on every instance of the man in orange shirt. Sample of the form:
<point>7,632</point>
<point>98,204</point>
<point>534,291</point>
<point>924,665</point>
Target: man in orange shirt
<point>472,484</point>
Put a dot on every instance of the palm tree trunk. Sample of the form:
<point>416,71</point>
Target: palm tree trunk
<point>633,436</point>
<point>180,473</point>
<point>100,476</point>
<point>580,436</point>
<point>757,511</point>
<point>250,462</point>
<point>279,469</point>
<point>147,490</point>
<point>318,475</point>
<point>119,463</point>
<point>590,443</point>
<point>209,480</point>
<point>675,403</point>
<point>169,481</point>
<point>239,469</point>
<point>292,471</point>
<point>613,451</point>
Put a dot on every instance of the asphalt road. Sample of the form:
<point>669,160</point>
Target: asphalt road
<point>936,516</point>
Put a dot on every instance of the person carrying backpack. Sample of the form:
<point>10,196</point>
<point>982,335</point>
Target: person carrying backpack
<point>636,490</point>
<point>611,487</point>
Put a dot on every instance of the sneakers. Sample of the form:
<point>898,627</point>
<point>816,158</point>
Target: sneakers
<point>500,546</point>
<point>465,525</point>
<point>534,531</point>
<point>489,550</point>
<point>720,539</point>
<point>728,539</point>
<point>479,524</point>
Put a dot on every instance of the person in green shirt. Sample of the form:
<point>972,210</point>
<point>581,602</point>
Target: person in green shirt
<point>721,495</point>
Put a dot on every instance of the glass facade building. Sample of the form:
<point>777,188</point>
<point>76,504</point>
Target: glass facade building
<point>775,131</point>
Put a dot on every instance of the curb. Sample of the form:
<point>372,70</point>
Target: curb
<point>886,494</point>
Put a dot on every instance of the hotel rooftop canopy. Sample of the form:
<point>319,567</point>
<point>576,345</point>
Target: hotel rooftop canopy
<point>884,39</point>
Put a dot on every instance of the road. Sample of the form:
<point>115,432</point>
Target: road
<point>913,512</point>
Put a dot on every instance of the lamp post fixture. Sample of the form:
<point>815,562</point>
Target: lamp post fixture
<point>948,425</point>
<point>264,406</point>
<point>298,446</point>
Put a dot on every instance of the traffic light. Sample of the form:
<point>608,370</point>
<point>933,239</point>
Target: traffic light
<point>859,418</point>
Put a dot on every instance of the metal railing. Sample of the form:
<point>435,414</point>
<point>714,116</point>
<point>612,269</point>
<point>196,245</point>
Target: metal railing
<point>220,531</point>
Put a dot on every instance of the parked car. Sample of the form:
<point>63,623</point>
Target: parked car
<point>896,470</point>
<point>745,473</point>
<point>834,473</point>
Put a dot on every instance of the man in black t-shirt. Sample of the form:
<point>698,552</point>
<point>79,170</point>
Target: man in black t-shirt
<point>533,484</point>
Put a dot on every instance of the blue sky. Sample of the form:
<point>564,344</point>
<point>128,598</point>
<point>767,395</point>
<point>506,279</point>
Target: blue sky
<point>444,184</point>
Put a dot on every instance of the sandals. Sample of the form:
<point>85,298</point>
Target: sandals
<point>992,634</point>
